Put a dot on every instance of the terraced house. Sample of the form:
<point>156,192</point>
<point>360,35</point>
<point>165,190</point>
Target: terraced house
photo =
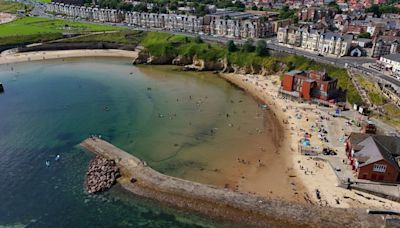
<point>318,41</point>
<point>237,25</point>
<point>171,22</point>
<point>227,24</point>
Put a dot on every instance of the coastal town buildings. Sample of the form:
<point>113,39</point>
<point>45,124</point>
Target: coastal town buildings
<point>313,14</point>
<point>309,85</point>
<point>391,62</point>
<point>324,43</point>
<point>385,45</point>
<point>237,25</point>
<point>374,157</point>
<point>227,23</point>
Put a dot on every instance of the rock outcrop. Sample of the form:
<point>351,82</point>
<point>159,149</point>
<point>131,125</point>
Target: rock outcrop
<point>101,175</point>
<point>195,63</point>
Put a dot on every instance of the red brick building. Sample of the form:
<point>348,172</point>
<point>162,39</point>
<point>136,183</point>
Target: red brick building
<point>309,85</point>
<point>374,157</point>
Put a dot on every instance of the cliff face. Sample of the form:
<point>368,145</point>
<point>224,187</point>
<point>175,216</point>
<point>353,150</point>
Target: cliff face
<point>197,64</point>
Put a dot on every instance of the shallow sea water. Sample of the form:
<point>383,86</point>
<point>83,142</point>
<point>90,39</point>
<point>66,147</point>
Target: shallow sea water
<point>176,121</point>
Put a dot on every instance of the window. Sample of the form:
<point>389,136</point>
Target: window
<point>379,168</point>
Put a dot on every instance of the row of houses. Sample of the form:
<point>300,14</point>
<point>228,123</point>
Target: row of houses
<point>319,41</point>
<point>95,14</point>
<point>238,25</point>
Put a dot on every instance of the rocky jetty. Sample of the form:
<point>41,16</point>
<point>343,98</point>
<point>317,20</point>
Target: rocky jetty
<point>101,175</point>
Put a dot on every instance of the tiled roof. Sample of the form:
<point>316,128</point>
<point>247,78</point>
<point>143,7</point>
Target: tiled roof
<point>373,148</point>
<point>393,57</point>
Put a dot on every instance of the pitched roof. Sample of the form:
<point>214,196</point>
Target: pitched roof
<point>393,57</point>
<point>373,148</point>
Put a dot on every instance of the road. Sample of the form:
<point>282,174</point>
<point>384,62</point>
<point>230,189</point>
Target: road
<point>352,62</point>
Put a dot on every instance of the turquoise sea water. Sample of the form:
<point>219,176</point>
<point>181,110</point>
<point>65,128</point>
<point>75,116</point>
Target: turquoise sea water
<point>175,121</point>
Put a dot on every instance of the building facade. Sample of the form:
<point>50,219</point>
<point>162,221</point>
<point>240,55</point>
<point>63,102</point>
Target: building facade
<point>324,43</point>
<point>309,85</point>
<point>392,62</point>
<point>227,24</point>
<point>374,157</point>
<point>385,45</point>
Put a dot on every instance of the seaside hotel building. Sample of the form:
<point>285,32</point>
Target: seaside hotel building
<point>309,85</point>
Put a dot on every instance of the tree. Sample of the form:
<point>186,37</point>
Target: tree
<point>364,35</point>
<point>142,7</point>
<point>286,13</point>
<point>254,7</point>
<point>231,46</point>
<point>248,46</point>
<point>163,10</point>
<point>375,10</point>
<point>261,48</point>
<point>198,40</point>
<point>335,6</point>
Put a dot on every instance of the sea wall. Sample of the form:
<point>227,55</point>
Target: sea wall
<point>241,208</point>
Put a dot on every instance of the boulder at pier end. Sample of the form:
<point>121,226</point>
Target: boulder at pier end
<point>101,175</point>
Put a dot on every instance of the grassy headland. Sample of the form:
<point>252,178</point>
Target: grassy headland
<point>36,25</point>
<point>121,37</point>
<point>34,29</point>
<point>13,7</point>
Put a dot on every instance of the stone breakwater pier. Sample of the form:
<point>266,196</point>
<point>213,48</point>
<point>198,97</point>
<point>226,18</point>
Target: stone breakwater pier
<point>219,203</point>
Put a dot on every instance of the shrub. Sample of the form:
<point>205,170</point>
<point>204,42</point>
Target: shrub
<point>261,48</point>
<point>248,46</point>
<point>231,46</point>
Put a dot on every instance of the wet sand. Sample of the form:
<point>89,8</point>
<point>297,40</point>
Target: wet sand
<point>277,179</point>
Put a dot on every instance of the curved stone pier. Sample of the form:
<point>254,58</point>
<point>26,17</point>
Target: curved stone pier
<point>221,203</point>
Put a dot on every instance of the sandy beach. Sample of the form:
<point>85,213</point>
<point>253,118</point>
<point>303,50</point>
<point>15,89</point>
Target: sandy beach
<point>304,174</point>
<point>7,58</point>
<point>6,17</point>
<point>277,172</point>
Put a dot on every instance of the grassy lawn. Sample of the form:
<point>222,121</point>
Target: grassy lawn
<point>43,1</point>
<point>392,110</point>
<point>29,39</point>
<point>122,37</point>
<point>33,29</point>
<point>13,7</point>
<point>164,43</point>
<point>35,25</point>
<point>374,92</point>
